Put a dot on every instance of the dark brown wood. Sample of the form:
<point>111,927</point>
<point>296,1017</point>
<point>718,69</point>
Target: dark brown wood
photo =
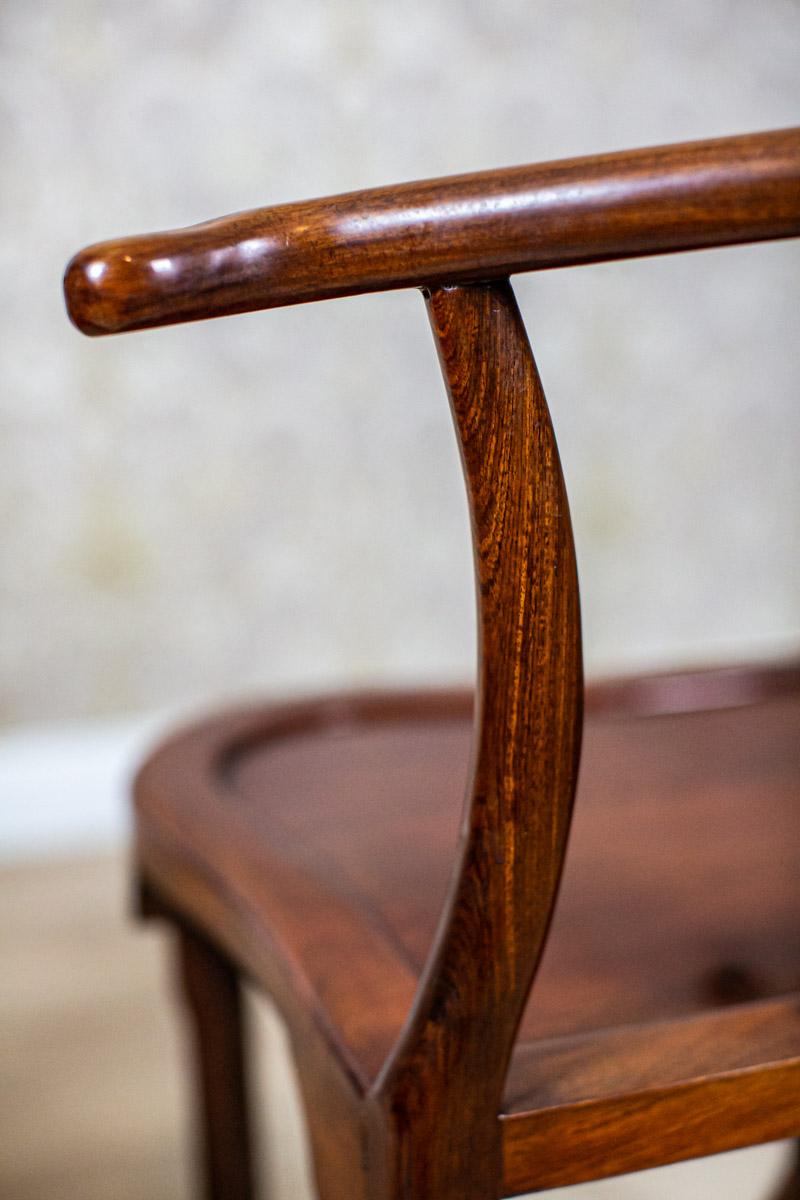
<point>388,867</point>
<point>341,820</point>
<point>443,1086</point>
<point>180,884</point>
<point>634,1097</point>
<point>211,988</point>
<point>688,691</point>
<point>466,227</point>
<point>296,788</point>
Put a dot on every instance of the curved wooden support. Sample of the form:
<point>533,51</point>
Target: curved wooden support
<point>481,226</point>
<point>441,1093</point>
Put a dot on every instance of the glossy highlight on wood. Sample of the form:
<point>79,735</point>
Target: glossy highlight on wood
<point>445,1080</point>
<point>466,1023</point>
<point>341,821</point>
<point>466,227</point>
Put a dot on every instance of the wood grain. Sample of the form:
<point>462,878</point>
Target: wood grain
<point>343,820</point>
<point>673,955</point>
<point>663,1021</point>
<point>625,1099</point>
<point>480,226</point>
<point>443,1086</point>
<point>652,1128</point>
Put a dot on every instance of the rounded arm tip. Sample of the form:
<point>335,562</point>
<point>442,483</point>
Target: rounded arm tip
<point>457,230</point>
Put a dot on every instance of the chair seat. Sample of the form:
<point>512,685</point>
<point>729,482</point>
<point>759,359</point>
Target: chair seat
<point>316,841</point>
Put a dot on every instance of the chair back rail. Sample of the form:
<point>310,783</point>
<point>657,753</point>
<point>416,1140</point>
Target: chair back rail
<point>469,227</point>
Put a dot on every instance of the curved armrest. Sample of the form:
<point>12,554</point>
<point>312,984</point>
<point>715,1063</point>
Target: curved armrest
<point>462,228</point>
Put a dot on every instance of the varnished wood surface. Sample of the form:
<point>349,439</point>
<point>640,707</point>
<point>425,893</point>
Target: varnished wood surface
<point>652,1128</point>
<point>619,1100</point>
<point>212,992</point>
<point>681,896</point>
<point>466,227</point>
<point>443,1085</point>
<point>401,941</point>
<point>95,1055</point>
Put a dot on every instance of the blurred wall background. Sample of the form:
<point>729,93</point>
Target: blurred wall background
<point>273,501</point>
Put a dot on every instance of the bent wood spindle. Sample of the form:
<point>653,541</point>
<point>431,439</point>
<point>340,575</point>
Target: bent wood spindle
<point>441,1093</point>
<point>468,227</point>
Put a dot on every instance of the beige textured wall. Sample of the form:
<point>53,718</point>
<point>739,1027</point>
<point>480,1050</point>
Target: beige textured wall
<point>274,501</point>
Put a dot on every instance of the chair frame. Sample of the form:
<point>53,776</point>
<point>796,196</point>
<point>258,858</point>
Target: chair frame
<point>430,1121</point>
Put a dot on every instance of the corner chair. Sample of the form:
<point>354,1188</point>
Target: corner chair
<point>397,870</point>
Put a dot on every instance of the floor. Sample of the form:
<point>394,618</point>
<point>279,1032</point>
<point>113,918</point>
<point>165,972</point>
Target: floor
<point>91,1082</point>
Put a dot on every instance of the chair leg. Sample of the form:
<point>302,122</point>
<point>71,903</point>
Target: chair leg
<point>790,1190</point>
<point>212,993</point>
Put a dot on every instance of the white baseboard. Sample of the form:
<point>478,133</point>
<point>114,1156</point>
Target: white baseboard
<point>64,788</point>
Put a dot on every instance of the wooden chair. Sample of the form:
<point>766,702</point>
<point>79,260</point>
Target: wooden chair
<point>319,848</point>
